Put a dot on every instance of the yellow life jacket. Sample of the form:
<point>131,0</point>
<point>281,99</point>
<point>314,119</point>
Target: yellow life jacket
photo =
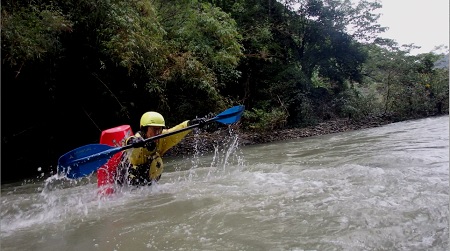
<point>150,162</point>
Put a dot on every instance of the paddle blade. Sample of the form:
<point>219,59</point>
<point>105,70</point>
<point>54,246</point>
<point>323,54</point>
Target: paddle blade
<point>85,160</point>
<point>230,115</point>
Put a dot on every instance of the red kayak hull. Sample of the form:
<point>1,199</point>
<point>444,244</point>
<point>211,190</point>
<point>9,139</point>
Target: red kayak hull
<point>106,174</point>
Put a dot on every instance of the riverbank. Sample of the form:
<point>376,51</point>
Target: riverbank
<point>206,141</point>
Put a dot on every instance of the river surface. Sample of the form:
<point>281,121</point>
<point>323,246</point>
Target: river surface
<point>384,188</point>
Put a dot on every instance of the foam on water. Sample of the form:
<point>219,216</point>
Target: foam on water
<point>349,191</point>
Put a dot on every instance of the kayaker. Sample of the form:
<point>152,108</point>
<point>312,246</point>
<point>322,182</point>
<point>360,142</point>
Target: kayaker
<point>145,164</point>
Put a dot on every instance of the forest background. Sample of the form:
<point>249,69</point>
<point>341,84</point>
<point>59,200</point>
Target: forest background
<point>71,69</point>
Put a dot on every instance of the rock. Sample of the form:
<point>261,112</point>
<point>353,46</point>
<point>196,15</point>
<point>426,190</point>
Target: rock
<point>205,141</point>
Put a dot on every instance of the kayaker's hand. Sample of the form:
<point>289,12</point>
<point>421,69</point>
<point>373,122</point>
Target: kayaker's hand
<point>136,141</point>
<point>140,142</point>
<point>200,121</point>
<point>150,146</point>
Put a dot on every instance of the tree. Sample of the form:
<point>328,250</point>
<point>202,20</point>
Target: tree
<point>404,81</point>
<point>79,67</point>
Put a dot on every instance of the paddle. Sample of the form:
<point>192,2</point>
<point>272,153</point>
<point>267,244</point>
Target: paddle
<point>85,160</point>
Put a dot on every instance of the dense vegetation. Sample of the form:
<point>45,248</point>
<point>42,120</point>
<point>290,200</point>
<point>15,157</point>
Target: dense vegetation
<point>73,68</point>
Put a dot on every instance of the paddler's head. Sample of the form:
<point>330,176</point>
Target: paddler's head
<point>152,124</point>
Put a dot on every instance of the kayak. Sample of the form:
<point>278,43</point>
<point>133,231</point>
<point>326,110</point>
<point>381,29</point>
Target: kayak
<point>88,159</point>
<point>106,174</point>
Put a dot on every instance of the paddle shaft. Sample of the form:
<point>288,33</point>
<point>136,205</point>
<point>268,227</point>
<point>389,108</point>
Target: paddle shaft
<point>111,152</point>
<point>78,164</point>
<point>165,135</point>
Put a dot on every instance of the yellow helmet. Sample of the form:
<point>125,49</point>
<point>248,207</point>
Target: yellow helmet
<point>152,119</point>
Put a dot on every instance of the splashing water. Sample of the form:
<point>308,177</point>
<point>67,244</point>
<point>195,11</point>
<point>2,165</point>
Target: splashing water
<point>383,188</point>
<point>59,200</point>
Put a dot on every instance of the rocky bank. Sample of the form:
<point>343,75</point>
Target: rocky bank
<point>207,140</point>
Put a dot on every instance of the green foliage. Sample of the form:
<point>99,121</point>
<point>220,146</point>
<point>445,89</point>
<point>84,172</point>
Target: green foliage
<point>405,81</point>
<point>261,120</point>
<point>305,111</point>
<point>132,37</point>
<point>205,51</point>
<point>31,33</point>
<point>105,62</point>
<point>357,104</point>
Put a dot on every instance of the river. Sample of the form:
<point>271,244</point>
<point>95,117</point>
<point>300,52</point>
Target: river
<point>384,188</point>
